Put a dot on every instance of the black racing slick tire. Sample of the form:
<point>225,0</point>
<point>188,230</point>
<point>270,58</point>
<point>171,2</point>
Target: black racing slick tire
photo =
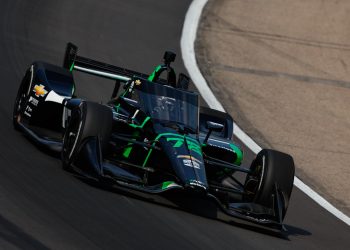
<point>22,97</point>
<point>88,120</point>
<point>270,168</point>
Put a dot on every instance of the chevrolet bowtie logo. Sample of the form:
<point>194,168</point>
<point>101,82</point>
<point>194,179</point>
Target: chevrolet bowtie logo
<point>40,90</point>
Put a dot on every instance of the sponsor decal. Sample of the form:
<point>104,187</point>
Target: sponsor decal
<point>33,101</point>
<point>29,109</point>
<point>197,183</point>
<point>190,157</point>
<point>187,162</point>
<point>190,161</point>
<point>191,164</point>
<point>138,82</point>
<point>39,90</point>
<point>27,114</point>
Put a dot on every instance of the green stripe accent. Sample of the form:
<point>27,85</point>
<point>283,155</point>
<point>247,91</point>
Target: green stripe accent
<point>194,144</point>
<point>150,151</point>
<point>153,75</point>
<point>129,147</point>
<point>179,136</point>
<point>117,107</point>
<point>166,184</point>
<point>126,91</point>
<point>143,123</point>
<point>148,155</point>
<point>238,152</point>
<point>127,150</point>
<point>71,67</point>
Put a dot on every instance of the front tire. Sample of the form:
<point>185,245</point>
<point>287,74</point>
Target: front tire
<point>22,97</point>
<point>89,119</point>
<point>270,168</point>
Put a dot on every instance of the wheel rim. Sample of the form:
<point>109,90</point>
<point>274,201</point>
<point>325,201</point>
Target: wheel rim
<point>254,180</point>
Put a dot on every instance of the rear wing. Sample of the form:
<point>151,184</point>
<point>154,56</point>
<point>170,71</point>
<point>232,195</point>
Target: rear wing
<point>74,62</point>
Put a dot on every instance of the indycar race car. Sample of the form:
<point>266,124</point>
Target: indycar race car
<point>151,136</point>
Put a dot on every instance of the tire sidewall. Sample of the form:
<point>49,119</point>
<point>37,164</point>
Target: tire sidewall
<point>24,88</point>
<point>277,169</point>
<point>95,120</point>
<point>78,116</point>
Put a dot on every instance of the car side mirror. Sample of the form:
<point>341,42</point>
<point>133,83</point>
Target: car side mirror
<point>212,126</point>
<point>169,57</point>
<point>217,127</point>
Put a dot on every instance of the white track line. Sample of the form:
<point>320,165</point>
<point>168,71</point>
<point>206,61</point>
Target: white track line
<point>189,33</point>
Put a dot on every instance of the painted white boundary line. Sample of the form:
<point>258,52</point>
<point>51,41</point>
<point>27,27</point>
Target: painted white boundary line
<point>189,33</point>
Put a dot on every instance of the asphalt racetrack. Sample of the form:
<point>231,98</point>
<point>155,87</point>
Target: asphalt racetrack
<point>42,206</point>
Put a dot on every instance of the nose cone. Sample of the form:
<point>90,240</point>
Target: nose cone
<point>186,160</point>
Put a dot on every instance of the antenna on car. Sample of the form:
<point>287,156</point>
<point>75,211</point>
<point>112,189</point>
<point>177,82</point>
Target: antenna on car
<point>169,57</point>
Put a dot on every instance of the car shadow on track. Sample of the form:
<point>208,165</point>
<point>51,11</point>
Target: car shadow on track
<point>184,202</point>
<point>194,205</point>
<point>290,230</point>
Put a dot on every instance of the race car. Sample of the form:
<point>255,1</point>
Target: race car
<point>152,136</point>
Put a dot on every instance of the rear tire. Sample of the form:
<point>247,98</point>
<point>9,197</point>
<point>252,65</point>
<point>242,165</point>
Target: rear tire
<point>270,167</point>
<point>88,120</point>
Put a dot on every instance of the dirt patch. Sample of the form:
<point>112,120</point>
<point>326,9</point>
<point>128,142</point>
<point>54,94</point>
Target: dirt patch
<point>281,69</point>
